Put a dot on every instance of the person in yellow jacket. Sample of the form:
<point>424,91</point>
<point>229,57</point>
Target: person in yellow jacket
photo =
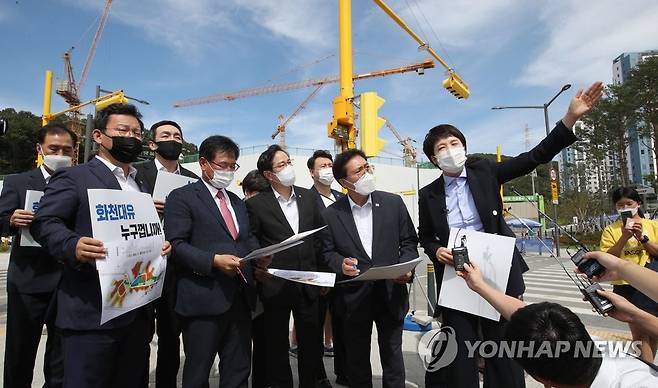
<point>635,239</point>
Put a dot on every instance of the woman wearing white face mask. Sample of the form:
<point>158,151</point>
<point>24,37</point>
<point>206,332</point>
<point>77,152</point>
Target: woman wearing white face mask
<point>466,195</point>
<point>633,238</point>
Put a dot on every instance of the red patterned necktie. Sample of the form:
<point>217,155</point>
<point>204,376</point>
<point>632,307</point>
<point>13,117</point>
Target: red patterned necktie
<point>226,214</point>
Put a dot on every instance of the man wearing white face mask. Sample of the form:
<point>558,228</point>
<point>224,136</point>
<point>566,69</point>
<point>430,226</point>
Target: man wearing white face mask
<point>320,167</point>
<point>365,229</point>
<point>209,231</point>
<point>32,275</point>
<point>467,196</point>
<point>276,214</point>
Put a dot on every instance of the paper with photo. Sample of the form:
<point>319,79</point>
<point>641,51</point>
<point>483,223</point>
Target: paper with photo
<point>282,246</point>
<point>133,271</point>
<point>493,255</point>
<point>166,182</point>
<point>32,198</point>
<point>320,279</point>
<point>385,272</point>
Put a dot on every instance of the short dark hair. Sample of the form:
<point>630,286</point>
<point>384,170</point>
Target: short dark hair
<point>437,133</point>
<point>552,322</point>
<point>218,143</point>
<point>56,129</point>
<point>341,161</point>
<point>318,154</point>
<point>254,181</point>
<point>159,124</point>
<point>117,109</point>
<point>264,162</point>
<point>626,192</point>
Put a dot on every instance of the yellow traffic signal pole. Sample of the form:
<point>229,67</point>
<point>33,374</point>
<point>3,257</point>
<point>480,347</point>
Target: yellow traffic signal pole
<point>341,128</point>
<point>455,84</point>
<point>47,96</point>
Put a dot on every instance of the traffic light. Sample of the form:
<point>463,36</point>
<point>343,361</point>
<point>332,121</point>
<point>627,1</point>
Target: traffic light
<point>118,98</point>
<point>456,86</point>
<point>371,123</point>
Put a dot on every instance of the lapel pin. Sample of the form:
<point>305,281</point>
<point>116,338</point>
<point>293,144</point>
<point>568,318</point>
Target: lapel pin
<point>376,205</point>
<point>495,213</point>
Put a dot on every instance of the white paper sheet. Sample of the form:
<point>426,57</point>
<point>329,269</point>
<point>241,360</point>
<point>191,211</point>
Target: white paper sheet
<point>320,279</point>
<point>166,182</point>
<point>133,272</point>
<point>32,198</point>
<point>385,272</point>
<point>493,255</point>
<point>282,246</point>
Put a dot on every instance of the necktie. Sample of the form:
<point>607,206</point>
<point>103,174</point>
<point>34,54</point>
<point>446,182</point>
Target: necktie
<point>226,215</point>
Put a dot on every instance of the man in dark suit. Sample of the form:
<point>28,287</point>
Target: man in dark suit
<point>113,354</point>
<point>276,214</point>
<point>467,196</point>
<point>209,230</point>
<point>167,143</point>
<point>319,166</point>
<point>33,274</point>
<point>365,229</point>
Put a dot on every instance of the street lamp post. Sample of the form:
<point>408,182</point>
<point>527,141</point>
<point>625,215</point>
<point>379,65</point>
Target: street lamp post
<point>544,107</point>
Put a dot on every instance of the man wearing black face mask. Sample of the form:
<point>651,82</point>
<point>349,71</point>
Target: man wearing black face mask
<point>167,144</point>
<point>114,354</point>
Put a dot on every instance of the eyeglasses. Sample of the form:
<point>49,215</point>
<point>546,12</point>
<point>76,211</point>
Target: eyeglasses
<point>366,167</point>
<point>281,165</point>
<point>227,167</point>
<point>137,132</point>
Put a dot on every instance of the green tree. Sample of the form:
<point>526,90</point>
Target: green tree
<point>17,146</point>
<point>642,85</point>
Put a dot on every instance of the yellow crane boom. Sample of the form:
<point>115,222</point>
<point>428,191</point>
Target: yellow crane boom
<point>419,67</point>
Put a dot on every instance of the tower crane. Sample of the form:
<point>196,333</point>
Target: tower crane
<point>69,89</point>
<point>408,149</point>
<point>248,92</point>
<point>283,123</point>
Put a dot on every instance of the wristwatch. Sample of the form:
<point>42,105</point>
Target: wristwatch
<point>645,239</point>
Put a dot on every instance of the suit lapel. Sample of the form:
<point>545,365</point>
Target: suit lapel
<point>209,202</point>
<point>104,174</point>
<point>347,219</point>
<point>477,191</point>
<point>305,220</point>
<point>438,208</point>
<point>377,222</point>
<point>270,198</point>
<point>37,181</point>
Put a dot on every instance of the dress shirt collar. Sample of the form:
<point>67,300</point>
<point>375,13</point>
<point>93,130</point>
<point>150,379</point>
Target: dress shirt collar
<point>355,205</point>
<point>213,191</point>
<point>160,167</point>
<point>132,171</point>
<point>46,174</point>
<point>281,198</point>
<point>451,179</point>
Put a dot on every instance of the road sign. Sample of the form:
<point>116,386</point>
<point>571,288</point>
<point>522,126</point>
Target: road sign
<point>554,194</point>
<point>553,175</point>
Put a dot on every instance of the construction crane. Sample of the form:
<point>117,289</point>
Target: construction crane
<point>408,149</point>
<point>69,89</point>
<point>418,67</point>
<point>281,128</point>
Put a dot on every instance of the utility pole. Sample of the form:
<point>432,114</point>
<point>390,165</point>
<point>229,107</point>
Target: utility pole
<point>526,132</point>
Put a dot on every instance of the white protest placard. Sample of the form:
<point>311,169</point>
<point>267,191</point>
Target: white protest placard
<point>385,272</point>
<point>282,246</point>
<point>32,198</point>
<point>166,182</point>
<point>320,279</point>
<point>493,255</point>
<point>133,271</point>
